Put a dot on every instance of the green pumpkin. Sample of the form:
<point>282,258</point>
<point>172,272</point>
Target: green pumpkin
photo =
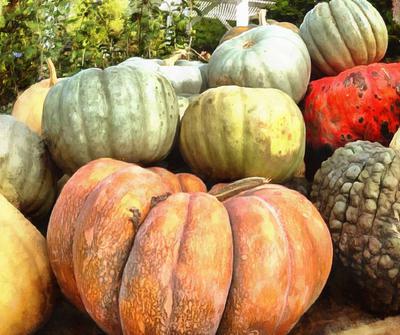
<point>122,112</point>
<point>186,77</point>
<point>341,34</point>
<point>263,57</point>
<point>26,172</point>
<point>233,132</point>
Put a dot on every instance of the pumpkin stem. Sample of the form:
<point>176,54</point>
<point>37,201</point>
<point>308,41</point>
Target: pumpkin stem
<point>135,217</point>
<point>170,61</point>
<point>156,200</point>
<point>238,186</point>
<point>52,71</point>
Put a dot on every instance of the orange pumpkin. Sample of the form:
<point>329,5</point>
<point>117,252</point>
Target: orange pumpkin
<point>236,31</point>
<point>148,262</point>
<point>64,216</point>
<point>28,107</point>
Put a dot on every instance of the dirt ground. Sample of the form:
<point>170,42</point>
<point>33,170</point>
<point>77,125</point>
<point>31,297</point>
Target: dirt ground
<point>334,313</point>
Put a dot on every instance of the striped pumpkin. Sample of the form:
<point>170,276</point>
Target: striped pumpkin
<point>121,112</point>
<point>340,34</point>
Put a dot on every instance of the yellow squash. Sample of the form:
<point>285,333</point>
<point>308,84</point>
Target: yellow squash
<point>26,282</point>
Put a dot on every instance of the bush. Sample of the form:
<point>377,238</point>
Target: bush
<point>80,34</point>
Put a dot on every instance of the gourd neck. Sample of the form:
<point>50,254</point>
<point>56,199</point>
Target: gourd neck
<point>232,189</point>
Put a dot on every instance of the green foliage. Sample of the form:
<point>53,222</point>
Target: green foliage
<point>208,32</point>
<point>81,34</point>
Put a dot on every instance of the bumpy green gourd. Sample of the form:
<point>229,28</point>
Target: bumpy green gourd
<point>233,132</point>
<point>122,112</point>
<point>26,172</point>
<point>356,191</point>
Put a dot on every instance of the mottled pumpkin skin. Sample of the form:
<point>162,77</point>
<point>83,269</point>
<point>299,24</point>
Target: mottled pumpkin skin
<point>101,246</point>
<point>27,283</point>
<point>26,171</point>
<point>121,112</point>
<point>62,223</point>
<point>178,274</point>
<point>282,248</point>
<point>64,217</point>
<point>233,132</point>
<point>341,34</point>
<point>263,57</point>
<point>358,104</point>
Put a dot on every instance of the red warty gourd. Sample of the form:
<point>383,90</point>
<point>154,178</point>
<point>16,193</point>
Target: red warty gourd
<point>142,259</point>
<point>362,103</point>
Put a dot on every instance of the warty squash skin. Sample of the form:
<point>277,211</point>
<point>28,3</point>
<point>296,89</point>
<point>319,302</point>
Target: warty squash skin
<point>28,107</point>
<point>233,132</point>
<point>341,34</point>
<point>177,254</point>
<point>263,57</point>
<point>121,112</point>
<point>356,192</point>
<point>63,219</point>
<point>27,283</point>
<point>26,171</point>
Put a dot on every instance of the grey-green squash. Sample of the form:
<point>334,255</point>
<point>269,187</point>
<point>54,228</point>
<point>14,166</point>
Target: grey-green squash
<point>26,172</point>
<point>122,112</point>
<point>233,132</point>
<point>341,34</point>
<point>356,191</point>
<point>263,57</point>
<point>189,77</point>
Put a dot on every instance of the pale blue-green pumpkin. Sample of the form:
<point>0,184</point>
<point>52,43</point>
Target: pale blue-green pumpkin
<point>341,34</point>
<point>263,57</point>
<point>122,112</point>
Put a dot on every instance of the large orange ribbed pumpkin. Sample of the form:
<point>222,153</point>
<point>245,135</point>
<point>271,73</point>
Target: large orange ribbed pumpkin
<point>147,262</point>
<point>62,224</point>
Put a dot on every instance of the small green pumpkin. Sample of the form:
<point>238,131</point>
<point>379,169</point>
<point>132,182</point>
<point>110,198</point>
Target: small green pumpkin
<point>233,132</point>
<point>122,112</point>
<point>26,172</point>
<point>341,34</point>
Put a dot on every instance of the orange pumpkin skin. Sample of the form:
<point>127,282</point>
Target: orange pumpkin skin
<point>191,183</point>
<point>63,218</point>
<point>168,178</point>
<point>104,236</point>
<point>235,31</point>
<point>173,283</point>
<point>267,224</point>
<point>28,107</point>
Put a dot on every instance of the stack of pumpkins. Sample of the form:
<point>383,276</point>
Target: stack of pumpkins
<point>144,250</point>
